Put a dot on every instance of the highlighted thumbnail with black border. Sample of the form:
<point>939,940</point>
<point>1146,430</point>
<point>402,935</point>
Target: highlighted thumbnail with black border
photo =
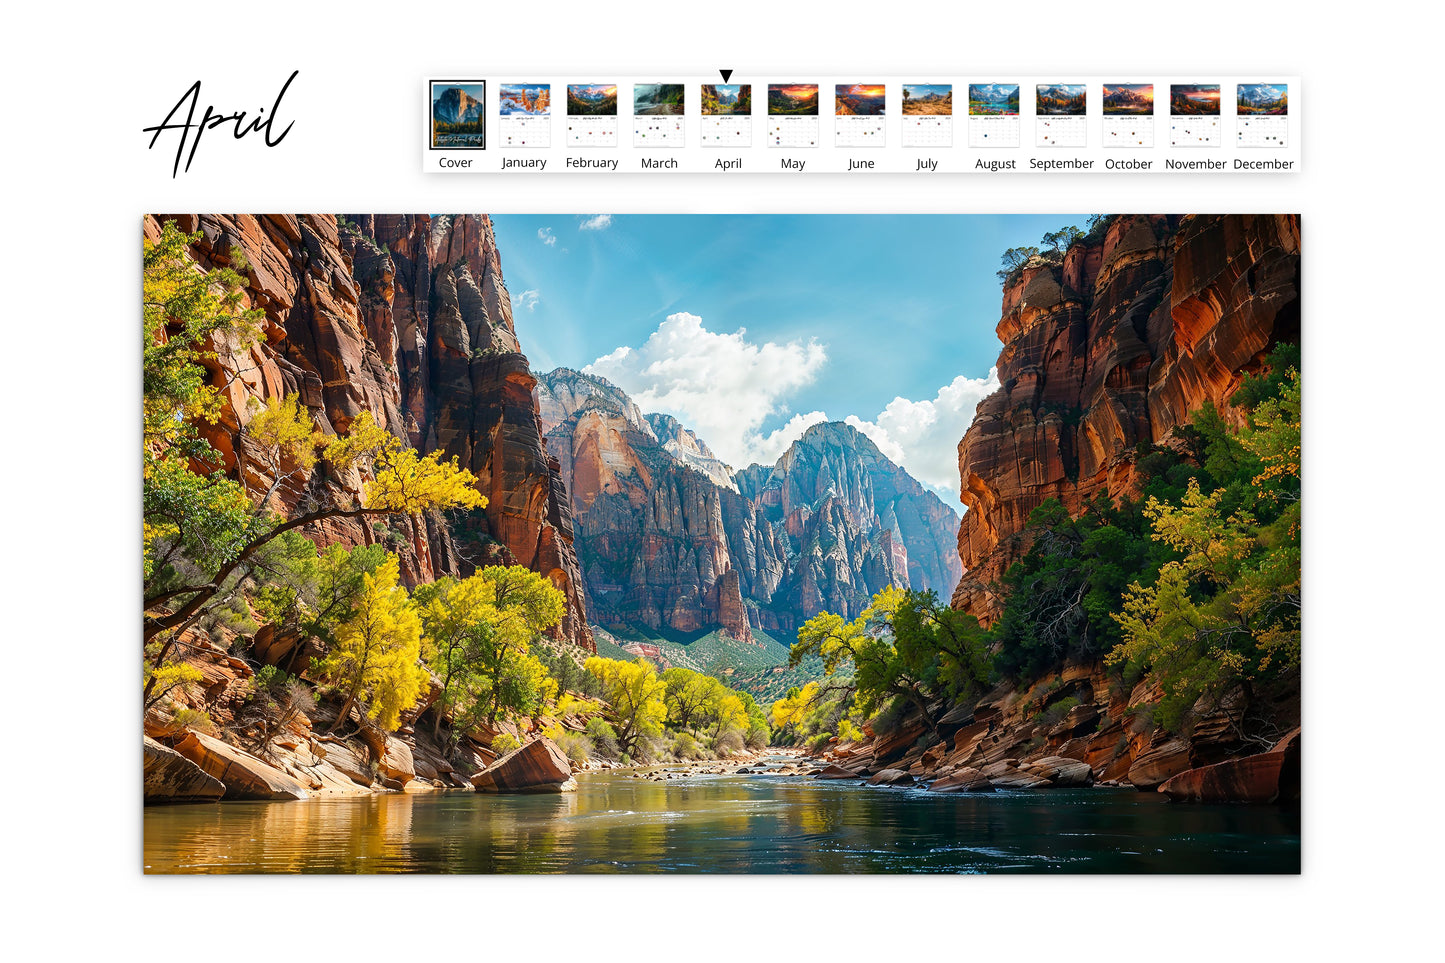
<point>1060,115</point>
<point>1194,116</point>
<point>1129,115</point>
<point>657,115</point>
<point>792,115</point>
<point>727,115</point>
<point>1261,115</point>
<point>458,115</point>
<point>927,115</point>
<point>524,115</point>
<point>591,115</point>
<point>993,115</point>
<point>858,115</point>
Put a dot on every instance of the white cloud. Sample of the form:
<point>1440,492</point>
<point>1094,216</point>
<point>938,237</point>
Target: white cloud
<point>527,299</point>
<point>923,436</point>
<point>721,385</point>
<point>597,222</point>
<point>545,235</point>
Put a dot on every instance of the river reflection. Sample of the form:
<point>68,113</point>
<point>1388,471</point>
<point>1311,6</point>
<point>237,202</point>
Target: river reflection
<point>723,824</point>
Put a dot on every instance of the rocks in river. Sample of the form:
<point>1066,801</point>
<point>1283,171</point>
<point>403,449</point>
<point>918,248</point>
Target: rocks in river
<point>171,777</point>
<point>1266,777</point>
<point>834,772</point>
<point>243,775</point>
<point>962,780</point>
<point>538,766</point>
<point>891,777</point>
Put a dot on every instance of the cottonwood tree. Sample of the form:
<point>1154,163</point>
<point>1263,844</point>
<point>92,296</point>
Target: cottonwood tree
<point>635,695</point>
<point>377,654</point>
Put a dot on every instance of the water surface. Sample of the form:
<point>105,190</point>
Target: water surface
<point>724,824</point>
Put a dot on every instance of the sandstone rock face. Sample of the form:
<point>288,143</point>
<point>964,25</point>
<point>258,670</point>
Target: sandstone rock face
<point>171,777</point>
<point>670,539</point>
<point>538,766</point>
<point>408,317</point>
<point>1113,347</point>
<point>244,776</point>
<point>1251,779</point>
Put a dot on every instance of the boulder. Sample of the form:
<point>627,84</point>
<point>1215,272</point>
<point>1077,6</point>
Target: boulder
<point>538,766</point>
<point>962,780</point>
<point>891,777</point>
<point>1252,779</point>
<point>1159,763</point>
<point>171,777</point>
<point>244,776</point>
<point>1061,771</point>
<point>393,757</point>
<point>834,772</point>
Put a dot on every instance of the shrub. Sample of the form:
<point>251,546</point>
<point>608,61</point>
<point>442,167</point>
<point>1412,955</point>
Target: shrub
<point>194,719</point>
<point>729,742</point>
<point>504,743</point>
<point>820,741</point>
<point>603,736</point>
<point>686,747</point>
<point>576,746</point>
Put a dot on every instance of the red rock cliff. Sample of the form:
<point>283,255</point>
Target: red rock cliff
<point>406,316</point>
<point>1113,346</point>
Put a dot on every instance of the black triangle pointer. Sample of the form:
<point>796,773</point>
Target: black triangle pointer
<point>725,75</point>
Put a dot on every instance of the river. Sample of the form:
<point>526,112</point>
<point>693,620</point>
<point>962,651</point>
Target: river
<point>724,824</point>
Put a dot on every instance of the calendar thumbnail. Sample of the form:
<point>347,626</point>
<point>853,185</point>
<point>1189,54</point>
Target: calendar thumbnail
<point>1263,115</point>
<point>1129,115</point>
<point>927,115</point>
<point>727,119</point>
<point>525,115</point>
<point>1194,115</point>
<point>858,115</point>
<point>1060,115</point>
<point>458,114</point>
<point>657,115</point>
<point>792,115</point>
<point>592,115</point>
<point>993,115</point>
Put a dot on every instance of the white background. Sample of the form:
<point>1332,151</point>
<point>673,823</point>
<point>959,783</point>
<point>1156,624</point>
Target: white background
<point>81,84</point>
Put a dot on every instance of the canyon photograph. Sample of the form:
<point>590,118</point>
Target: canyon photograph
<point>770,544</point>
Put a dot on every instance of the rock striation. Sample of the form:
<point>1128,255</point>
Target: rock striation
<point>1109,348</point>
<point>670,538</point>
<point>408,317</point>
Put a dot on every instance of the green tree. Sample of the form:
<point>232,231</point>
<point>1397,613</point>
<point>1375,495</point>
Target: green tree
<point>479,633</point>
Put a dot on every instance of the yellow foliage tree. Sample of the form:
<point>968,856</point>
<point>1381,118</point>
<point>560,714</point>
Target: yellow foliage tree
<point>636,695</point>
<point>377,655</point>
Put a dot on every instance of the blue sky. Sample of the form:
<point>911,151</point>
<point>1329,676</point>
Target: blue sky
<point>868,316</point>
